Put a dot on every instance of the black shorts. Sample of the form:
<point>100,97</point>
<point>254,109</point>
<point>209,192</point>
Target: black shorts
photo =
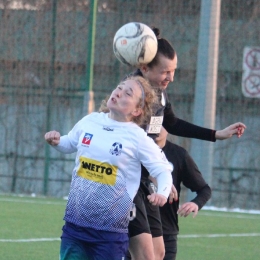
<point>170,243</point>
<point>147,218</point>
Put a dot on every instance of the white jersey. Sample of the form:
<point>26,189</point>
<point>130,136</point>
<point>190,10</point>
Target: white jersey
<point>107,171</point>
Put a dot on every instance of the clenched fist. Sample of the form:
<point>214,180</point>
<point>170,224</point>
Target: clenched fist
<point>52,137</point>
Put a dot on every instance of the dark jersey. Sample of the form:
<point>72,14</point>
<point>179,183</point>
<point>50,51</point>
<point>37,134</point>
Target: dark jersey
<point>185,172</point>
<point>173,124</point>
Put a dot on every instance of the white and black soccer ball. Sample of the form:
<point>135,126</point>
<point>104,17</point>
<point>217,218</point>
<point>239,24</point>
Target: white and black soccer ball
<point>135,44</point>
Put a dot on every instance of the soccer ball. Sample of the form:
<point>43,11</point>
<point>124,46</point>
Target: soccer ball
<point>135,44</point>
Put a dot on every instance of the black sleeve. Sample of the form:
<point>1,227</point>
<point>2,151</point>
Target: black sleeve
<point>203,195</point>
<point>179,127</point>
<point>193,180</point>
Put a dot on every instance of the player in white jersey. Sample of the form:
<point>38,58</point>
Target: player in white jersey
<point>110,147</point>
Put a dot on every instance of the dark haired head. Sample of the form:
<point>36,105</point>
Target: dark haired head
<point>164,48</point>
<point>156,32</point>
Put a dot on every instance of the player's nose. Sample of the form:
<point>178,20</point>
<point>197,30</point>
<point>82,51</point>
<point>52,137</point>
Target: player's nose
<point>117,92</point>
<point>170,77</point>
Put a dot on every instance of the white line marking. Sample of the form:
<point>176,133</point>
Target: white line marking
<point>29,240</point>
<point>220,235</point>
<point>33,201</point>
<point>236,210</point>
<point>242,216</point>
<point>179,236</point>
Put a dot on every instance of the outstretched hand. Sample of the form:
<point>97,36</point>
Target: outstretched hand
<point>234,129</point>
<point>157,199</point>
<point>187,208</point>
<point>52,137</point>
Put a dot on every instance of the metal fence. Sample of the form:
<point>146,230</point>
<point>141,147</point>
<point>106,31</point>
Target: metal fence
<point>45,59</point>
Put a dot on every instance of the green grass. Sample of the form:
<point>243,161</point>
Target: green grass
<point>240,236</point>
<point>37,218</point>
<point>30,218</point>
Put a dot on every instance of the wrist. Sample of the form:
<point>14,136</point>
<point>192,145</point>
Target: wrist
<point>218,135</point>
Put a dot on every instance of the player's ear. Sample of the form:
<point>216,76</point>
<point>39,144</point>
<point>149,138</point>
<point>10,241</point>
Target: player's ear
<point>143,68</point>
<point>137,112</point>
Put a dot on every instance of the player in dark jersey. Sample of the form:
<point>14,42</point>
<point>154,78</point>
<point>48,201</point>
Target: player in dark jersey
<point>187,173</point>
<point>145,231</point>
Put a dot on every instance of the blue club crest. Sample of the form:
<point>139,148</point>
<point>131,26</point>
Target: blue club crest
<point>116,149</point>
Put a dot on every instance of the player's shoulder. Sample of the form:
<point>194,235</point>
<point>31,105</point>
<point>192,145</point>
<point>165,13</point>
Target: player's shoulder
<point>178,149</point>
<point>137,131</point>
<point>94,116</point>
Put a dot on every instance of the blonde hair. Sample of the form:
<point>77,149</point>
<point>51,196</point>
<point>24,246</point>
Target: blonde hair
<point>147,99</point>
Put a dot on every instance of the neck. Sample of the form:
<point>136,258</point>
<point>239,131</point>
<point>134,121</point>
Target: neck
<point>161,143</point>
<point>119,117</point>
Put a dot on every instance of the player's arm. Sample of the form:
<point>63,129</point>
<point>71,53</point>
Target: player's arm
<point>66,143</point>
<point>196,204</point>
<point>52,137</point>
<point>234,129</point>
<point>179,127</point>
<point>157,199</point>
<point>187,208</point>
<point>193,180</point>
<point>203,195</point>
<point>173,194</point>
<point>60,143</point>
<point>154,160</point>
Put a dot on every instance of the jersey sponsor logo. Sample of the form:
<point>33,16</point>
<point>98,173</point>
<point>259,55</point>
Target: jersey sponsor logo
<point>97,171</point>
<point>116,149</point>
<point>87,138</point>
<point>155,125</point>
<point>107,128</point>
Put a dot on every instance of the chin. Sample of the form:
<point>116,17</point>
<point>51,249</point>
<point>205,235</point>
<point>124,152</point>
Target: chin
<point>163,87</point>
<point>109,104</point>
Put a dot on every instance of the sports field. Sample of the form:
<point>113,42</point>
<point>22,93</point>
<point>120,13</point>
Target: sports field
<point>30,229</point>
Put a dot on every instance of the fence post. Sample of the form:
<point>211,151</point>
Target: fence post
<point>89,93</point>
<point>206,83</point>
<point>49,95</point>
<point>230,188</point>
